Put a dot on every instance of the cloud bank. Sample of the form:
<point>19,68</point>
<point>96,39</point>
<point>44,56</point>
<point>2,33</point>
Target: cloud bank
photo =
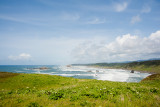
<point>22,56</point>
<point>124,48</point>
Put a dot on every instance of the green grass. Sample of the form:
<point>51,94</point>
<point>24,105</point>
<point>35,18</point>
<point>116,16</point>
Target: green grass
<point>38,90</point>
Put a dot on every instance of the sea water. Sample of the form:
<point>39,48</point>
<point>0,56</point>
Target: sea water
<point>81,72</point>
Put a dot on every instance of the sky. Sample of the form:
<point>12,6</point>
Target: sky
<point>59,32</point>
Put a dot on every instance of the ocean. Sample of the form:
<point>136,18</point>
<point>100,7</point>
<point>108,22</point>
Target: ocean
<point>81,72</point>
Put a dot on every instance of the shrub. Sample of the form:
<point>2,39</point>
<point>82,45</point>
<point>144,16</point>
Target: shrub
<point>33,104</point>
<point>10,92</point>
<point>153,90</point>
<point>56,95</point>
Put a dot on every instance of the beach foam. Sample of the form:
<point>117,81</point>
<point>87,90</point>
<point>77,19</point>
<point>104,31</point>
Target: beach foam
<point>113,76</point>
<point>104,74</point>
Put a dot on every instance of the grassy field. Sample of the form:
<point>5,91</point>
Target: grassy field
<point>39,90</point>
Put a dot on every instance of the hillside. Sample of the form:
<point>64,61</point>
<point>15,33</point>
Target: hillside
<point>39,90</point>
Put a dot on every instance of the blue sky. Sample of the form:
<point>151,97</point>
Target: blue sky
<point>78,31</point>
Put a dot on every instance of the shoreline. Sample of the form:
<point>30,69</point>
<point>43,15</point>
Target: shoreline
<point>124,69</point>
<point>118,78</point>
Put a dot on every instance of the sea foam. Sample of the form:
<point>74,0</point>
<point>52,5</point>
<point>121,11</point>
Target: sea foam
<point>104,74</point>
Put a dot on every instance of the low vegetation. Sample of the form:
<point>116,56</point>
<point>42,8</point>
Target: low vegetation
<point>39,90</point>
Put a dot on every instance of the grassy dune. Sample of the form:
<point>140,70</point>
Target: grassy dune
<point>38,90</point>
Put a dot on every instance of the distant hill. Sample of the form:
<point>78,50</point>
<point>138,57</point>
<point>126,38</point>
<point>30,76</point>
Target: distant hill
<point>130,64</point>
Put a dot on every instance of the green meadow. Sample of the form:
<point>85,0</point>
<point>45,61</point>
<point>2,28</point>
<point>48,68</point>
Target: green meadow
<point>40,90</point>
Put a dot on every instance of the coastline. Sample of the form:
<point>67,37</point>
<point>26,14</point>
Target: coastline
<point>141,71</point>
<point>83,72</point>
<point>152,73</point>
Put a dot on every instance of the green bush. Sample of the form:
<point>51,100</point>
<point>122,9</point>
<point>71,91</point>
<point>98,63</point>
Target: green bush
<point>33,104</point>
<point>153,90</point>
<point>56,95</point>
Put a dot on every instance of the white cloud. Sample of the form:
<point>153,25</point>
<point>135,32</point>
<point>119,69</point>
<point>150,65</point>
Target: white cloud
<point>22,56</point>
<point>135,19</point>
<point>146,9</point>
<point>96,21</point>
<point>119,7</point>
<point>123,48</point>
